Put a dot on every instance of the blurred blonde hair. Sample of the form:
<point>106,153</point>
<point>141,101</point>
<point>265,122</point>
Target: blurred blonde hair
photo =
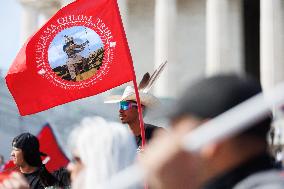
<point>105,148</point>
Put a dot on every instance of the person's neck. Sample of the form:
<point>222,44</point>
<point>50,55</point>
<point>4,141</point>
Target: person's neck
<point>28,169</point>
<point>135,127</point>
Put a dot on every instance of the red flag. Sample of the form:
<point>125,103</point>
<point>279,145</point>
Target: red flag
<point>48,145</point>
<point>9,167</point>
<point>3,176</point>
<point>81,51</point>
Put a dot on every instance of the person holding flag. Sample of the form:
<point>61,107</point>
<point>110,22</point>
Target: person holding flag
<point>100,22</point>
<point>128,108</point>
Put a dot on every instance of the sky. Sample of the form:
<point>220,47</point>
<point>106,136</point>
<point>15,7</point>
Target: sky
<point>10,20</point>
<point>10,13</point>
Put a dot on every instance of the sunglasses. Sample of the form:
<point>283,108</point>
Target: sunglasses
<point>126,105</point>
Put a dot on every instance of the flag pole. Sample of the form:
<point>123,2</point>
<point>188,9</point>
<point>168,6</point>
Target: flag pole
<point>142,130</point>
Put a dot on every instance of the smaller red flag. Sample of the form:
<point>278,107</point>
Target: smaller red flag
<point>81,51</point>
<point>50,146</point>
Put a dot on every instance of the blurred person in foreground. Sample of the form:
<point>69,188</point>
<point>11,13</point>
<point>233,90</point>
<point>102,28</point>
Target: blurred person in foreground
<point>241,161</point>
<point>100,149</point>
<point>14,181</point>
<point>27,157</point>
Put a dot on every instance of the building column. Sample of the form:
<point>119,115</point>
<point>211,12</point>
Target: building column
<point>123,9</point>
<point>46,13</point>
<point>65,2</point>
<point>35,14</point>
<point>272,42</point>
<point>29,22</point>
<point>47,9</point>
<point>272,55</point>
<point>165,18</point>
<point>224,36</point>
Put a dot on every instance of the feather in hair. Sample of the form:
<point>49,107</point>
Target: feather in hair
<point>144,82</point>
<point>154,77</point>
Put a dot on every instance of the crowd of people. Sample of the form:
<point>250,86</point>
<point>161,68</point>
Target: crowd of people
<point>101,149</point>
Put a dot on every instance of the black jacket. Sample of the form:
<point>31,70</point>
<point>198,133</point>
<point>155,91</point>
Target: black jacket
<point>149,130</point>
<point>41,178</point>
<point>249,175</point>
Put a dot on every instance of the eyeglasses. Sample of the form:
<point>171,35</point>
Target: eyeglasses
<point>126,105</point>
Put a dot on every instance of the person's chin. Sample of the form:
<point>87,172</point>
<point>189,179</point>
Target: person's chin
<point>123,121</point>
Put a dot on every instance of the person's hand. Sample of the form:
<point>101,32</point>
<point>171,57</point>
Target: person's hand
<point>15,181</point>
<point>168,165</point>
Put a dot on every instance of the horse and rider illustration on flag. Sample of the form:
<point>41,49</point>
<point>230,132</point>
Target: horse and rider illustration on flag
<point>76,61</point>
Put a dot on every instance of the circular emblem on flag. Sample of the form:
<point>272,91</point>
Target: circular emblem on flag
<point>76,53</point>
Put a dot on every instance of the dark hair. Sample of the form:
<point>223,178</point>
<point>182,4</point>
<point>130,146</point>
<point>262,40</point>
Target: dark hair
<point>29,144</point>
<point>213,96</point>
<point>46,178</point>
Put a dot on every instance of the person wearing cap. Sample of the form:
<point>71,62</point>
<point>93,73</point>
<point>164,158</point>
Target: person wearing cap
<point>27,156</point>
<point>128,108</point>
<point>240,161</point>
